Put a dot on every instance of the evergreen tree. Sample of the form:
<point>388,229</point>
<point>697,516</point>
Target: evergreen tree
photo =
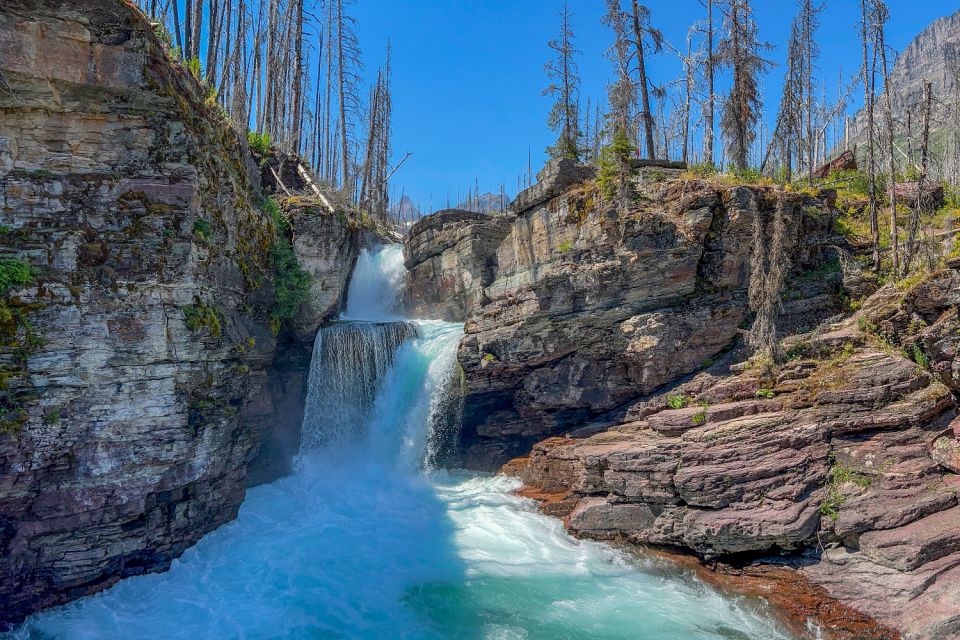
<point>742,49</point>
<point>563,73</point>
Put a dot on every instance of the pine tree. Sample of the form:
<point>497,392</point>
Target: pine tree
<point>743,50</point>
<point>563,73</point>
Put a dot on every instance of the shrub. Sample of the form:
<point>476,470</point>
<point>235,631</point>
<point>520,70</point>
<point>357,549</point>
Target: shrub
<point>765,393</point>
<point>703,170</point>
<point>565,246</point>
<point>259,142</point>
<point>193,66</point>
<point>678,401</point>
<point>839,476</point>
<point>291,284</point>
<point>700,417</point>
<point>201,230</point>
<point>920,357</point>
<point>747,174</point>
<point>200,316</point>
<point>14,272</point>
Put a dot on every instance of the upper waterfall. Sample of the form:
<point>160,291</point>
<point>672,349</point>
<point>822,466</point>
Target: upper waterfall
<point>375,287</point>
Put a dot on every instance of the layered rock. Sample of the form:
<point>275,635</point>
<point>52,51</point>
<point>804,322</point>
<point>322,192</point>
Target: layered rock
<point>573,310</point>
<point>837,449</point>
<point>138,363</point>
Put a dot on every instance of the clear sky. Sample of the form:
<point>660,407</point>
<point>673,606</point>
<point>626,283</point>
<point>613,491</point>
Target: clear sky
<point>468,75</point>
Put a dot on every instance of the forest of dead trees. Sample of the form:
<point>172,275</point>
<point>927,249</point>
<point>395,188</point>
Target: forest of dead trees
<point>289,71</point>
<point>680,119</point>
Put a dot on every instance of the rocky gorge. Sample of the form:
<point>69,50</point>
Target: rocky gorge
<point>610,347</point>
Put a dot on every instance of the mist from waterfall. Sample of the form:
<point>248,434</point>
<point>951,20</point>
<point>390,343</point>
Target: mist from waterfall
<point>369,540</point>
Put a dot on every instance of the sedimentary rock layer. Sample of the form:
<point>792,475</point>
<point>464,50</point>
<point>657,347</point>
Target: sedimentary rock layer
<point>572,310</point>
<point>837,454</point>
<point>138,365</point>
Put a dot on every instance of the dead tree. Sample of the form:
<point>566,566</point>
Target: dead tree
<point>869,100</point>
<point>645,37</point>
<point>880,16</point>
<point>348,66</point>
<point>809,21</point>
<point>621,96</point>
<point>786,132</point>
<point>710,72</point>
<point>920,204</point>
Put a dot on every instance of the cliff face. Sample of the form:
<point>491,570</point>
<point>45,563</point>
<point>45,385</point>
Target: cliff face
<point>932,57</point>
<point>618,336</point>
<point>138,364</point>
<point>573,311</point>
<point>850,446</point>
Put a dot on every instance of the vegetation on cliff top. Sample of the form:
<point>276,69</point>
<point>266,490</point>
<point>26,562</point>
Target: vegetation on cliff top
<point>291,284</point>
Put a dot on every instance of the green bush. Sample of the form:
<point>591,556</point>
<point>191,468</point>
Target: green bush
<point>565,246</point>
<point>700,417</point>
<point>291,284</point>
<point>193,66</point>
<point>201,316</point>
<point>259,142</point>
<point>201,230</point>
<point>678,401</point>
<point>839,476</point>
<point>704,170</point>
<point>747,174</point>
<point>14,272</point>
<point>920,357</point>
<point>608,164</point>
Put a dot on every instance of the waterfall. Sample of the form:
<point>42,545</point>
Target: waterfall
<point>350,360</point>
<point>361,382</point>
<point>376,285</point>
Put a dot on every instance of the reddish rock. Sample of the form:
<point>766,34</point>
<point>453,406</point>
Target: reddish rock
<point>846,161</point>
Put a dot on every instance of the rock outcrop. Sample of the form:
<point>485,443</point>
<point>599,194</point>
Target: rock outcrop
<point>572,311</point>
<point>838,458</point>
<point>138,369</point>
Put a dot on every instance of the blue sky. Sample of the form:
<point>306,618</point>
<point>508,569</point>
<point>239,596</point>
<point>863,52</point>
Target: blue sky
<point>468,75</point>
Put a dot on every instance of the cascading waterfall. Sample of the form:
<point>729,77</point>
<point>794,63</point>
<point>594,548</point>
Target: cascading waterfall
<point>367,541</point>
<point>350,360</point>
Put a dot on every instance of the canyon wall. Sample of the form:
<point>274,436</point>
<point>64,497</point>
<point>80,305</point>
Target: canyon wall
<point>842,460</point>
<point>139,368</point>
<point>572,311</point>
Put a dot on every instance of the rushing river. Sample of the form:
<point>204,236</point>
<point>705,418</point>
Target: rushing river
<point>367,541</point>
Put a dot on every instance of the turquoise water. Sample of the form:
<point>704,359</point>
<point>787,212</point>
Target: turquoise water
<point>363,542</point>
